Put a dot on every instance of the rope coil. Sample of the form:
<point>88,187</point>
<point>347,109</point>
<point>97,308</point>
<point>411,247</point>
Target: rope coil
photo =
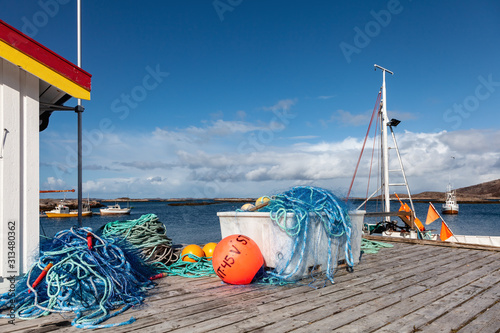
<point>95,284</point>
<point>148,235</point>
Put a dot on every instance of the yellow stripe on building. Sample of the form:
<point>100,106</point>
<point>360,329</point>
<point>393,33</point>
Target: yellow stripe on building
<point>42,72</point>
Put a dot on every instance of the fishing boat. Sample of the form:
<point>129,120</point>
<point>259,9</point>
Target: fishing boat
<point>450,206</point>
<point>412,227</point>
<point>115,210</point>
<point>61,210</point>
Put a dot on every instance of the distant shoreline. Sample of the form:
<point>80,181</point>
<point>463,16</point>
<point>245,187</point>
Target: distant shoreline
<point>48,204</point>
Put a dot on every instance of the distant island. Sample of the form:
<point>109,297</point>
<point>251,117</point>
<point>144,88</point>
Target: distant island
<point>488,192</point>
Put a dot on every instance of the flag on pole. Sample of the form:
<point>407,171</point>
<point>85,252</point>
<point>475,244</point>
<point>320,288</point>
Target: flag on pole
<point>445,232</point>
<point>419,224</point>
<point>405,208</point>
<point>432,215</point>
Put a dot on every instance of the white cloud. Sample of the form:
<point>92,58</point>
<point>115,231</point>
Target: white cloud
<point>284,104</point>
<point>205,161</point>
<point>53,183</point>
<point>348,118</point>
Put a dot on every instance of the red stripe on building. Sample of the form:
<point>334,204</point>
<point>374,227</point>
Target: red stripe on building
<point>37,51</point>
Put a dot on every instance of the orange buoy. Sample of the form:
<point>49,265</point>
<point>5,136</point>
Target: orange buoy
<point>209,250</point>
<point>41,276</point>
<point>192,249</point>
<point>237,259</point>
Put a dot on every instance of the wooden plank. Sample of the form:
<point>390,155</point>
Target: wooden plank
<point>305,305</point>
<point>486,322</point>
<point>408,305</point>
<point>467,309</point>
<point>430,312</point>
<point>186,298</point>
<point>395,288</point>
<point>433,243</point>
<point>183,305</point>
<point>324,318</point>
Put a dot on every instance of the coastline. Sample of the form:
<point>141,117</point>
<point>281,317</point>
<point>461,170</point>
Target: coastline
<point>48,204</point>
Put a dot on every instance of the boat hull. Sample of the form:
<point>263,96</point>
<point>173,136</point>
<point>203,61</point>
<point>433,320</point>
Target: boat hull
<point>449,211</point>
<point>71,214</point>
<point>115,212</point>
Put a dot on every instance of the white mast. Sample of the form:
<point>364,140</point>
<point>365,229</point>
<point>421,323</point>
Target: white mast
<point>385,149</point>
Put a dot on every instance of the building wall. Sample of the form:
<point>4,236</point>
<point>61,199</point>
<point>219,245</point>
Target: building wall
<point>19,171</point>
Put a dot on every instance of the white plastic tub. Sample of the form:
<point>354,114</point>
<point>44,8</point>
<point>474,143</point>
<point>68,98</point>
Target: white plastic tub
<point>275,244</point>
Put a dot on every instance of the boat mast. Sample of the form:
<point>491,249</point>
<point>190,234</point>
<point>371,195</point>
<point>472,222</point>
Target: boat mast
<point>385,150</point>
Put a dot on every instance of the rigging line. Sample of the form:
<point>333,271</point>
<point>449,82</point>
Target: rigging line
<point>371,162</point>
<point>377,103</point>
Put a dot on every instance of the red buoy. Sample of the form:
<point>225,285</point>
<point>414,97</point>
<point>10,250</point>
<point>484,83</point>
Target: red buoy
<point>41,276</point>
<point>89,240</point>
<point>237,259</point>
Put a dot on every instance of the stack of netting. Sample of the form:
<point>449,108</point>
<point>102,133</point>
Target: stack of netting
<point>91,276</point>
<point>320,232</point>
<point>148,235</point>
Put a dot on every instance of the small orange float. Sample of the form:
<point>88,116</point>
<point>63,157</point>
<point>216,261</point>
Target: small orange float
<point>192,249</point>
<point>208,249</point>
<point>237,259</point>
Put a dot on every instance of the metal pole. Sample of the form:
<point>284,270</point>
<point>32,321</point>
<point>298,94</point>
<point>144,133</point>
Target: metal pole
<point>79,112</point>
<point>385,149</point>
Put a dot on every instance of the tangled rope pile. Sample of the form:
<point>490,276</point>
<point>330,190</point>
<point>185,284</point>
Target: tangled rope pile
<point>201,267</point>
<point>148,235</point>
<point>96,282</point>
<point>311,204</point>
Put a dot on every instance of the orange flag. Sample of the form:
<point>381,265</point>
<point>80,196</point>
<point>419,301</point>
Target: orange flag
<point>419,224</point>
<point>445,232</point>
<point>432,215</point>
<point>405,208</point>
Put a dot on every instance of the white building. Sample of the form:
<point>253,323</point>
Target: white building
<point>34,81</point>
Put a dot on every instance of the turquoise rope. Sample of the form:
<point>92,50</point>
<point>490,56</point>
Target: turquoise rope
<point>371,246</point>
<point>93,283</point>
<point>201,267</point>
<point>304,201</point>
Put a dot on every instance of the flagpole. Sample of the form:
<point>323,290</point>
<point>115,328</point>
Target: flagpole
<point>430,203</point>
<point>414,217</point>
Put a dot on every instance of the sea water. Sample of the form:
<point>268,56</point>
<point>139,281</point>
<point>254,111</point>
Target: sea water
<point>472,219</point>
<point>200,224</point>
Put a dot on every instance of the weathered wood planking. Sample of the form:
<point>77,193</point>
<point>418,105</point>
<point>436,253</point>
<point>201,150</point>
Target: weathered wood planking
<point>409,287</point>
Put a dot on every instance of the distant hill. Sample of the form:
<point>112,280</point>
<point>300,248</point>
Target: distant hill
<point>484,192</point>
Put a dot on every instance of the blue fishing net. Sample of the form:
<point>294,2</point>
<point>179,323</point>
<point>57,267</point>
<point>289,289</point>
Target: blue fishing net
<point>96,284</point>
<point>320,232</point>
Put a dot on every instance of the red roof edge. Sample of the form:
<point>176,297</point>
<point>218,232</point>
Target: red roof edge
<point>42,54</point>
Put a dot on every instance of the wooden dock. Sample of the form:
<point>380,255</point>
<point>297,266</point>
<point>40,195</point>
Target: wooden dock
<point>407,288</point>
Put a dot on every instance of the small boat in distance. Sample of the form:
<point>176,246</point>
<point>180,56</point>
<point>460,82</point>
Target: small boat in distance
<point>450,206</point>
<point>115,210</point>
<point>61,210</point>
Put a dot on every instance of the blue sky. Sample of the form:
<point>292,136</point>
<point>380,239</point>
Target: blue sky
<point>248,98</point>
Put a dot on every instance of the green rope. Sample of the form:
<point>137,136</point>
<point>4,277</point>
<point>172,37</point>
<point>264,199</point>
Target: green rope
<point>201,267</point>
<point>371,246</point>
<point>148,235</point>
